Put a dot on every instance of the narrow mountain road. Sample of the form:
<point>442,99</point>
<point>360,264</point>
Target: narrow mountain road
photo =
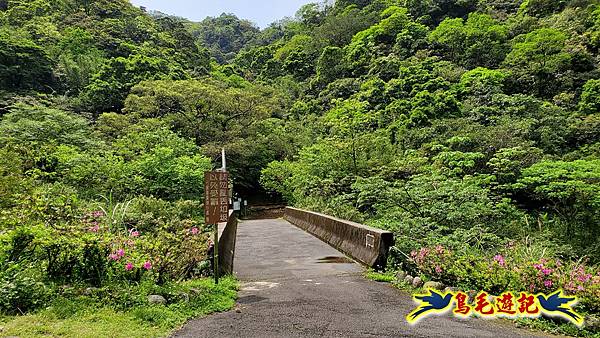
<point>294,285</point>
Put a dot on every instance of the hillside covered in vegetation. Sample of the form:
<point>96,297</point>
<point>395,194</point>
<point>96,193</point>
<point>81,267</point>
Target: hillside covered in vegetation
<point>470,128</point>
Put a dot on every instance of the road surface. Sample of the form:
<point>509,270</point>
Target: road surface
<point>294,285</point>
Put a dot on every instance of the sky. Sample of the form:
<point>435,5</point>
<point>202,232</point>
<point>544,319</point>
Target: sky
<point>261,12</point>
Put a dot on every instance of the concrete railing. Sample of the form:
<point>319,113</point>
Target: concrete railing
<point>227,237</point>
<point>367,245</point>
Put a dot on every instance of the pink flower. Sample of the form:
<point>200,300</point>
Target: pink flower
<point>584,278</point>
<point>439,249</point>
<point>548,283</point>
<point>547,271</point>
<point>194,231</point>
<point>95,228</point>
<point>500,260</point>
<point>538,266</point>
<point>114,257</point>
<point>438,269</point>
<point>147,265</point>
<point>129,266</point>
<point>580,288</point>
<point>98,213</point>
<point>134,233</point>
<point>121,253</point>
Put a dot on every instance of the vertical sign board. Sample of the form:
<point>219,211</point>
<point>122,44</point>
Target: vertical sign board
<point>216,207</point>
<point>216,201</point>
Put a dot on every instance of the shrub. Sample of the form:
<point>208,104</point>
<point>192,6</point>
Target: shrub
<point>21,290</point>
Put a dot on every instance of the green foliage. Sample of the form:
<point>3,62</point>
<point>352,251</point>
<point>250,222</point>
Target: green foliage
<point>480,41</point>
<point>23,64</point>
<point>481,83</point>
<point>571,189</point>
<point>589,103</point>
<point>215,114</point>
<point>379,277</point>
<point>80,312</point>
<point>535,58</point>
<point>35,125</point>
<point>224,35</point>
<point>21,292</point>
<point>79,59</point>
<point>396,27</point>
<point>109,87</point>
<point>328,66</point>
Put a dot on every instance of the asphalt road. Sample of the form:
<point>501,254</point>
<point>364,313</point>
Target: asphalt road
<point>294,285</point>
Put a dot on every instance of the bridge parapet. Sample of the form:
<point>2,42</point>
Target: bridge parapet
<point>227,239</point>
<point>369,246</point>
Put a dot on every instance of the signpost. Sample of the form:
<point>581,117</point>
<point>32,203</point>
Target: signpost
<point>216,202</point>
<point>216,205</point>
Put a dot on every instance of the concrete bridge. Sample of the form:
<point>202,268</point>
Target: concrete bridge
<point>295,285</point>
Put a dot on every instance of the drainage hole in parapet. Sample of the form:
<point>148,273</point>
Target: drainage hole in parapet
<point>335,260</point>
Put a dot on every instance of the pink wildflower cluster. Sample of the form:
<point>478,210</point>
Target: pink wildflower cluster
<point>579,280</point>
<point>95,227</point>
<point>147,266</point>
<point>93,220</point>
<point>98,214</point>
<point>134,233</point>
<point>545,274</point>
<point>116,256</point>
<point>500,260</point>
<point>432,260</point>
<point>420,256</point>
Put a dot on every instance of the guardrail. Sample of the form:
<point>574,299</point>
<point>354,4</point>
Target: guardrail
<point>367,245</point>
<point>227,238</point>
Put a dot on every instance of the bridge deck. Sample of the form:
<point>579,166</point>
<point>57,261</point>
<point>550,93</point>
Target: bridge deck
<point>294,285</point>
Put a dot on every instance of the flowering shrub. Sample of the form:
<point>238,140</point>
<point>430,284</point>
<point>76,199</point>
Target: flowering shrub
<point>433,261</point>
<point>87,249</point>
<point>506,272</point>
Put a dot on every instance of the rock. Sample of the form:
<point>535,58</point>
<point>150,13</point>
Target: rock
<point>591,323</point>
<point>433,285</point>
<point>157,299</point>
<point>417,282</point>
<point>408,280</point>
<point>89,291</point>
<point>400,275</point>
<point>451,289</point>
<point>238,310</point>
<point>184,297</point>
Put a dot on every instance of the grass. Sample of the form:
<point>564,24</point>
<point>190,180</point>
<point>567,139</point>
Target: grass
<point>555,327</point>
<point>87,317</point>
<point>380,277</point>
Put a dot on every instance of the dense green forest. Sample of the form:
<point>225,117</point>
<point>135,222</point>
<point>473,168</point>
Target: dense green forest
<point>469,128</point>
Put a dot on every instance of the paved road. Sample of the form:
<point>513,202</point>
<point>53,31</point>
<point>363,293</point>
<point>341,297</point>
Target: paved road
<point>294,285</point>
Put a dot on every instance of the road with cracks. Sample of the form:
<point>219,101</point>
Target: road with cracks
<point>294,285</point>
